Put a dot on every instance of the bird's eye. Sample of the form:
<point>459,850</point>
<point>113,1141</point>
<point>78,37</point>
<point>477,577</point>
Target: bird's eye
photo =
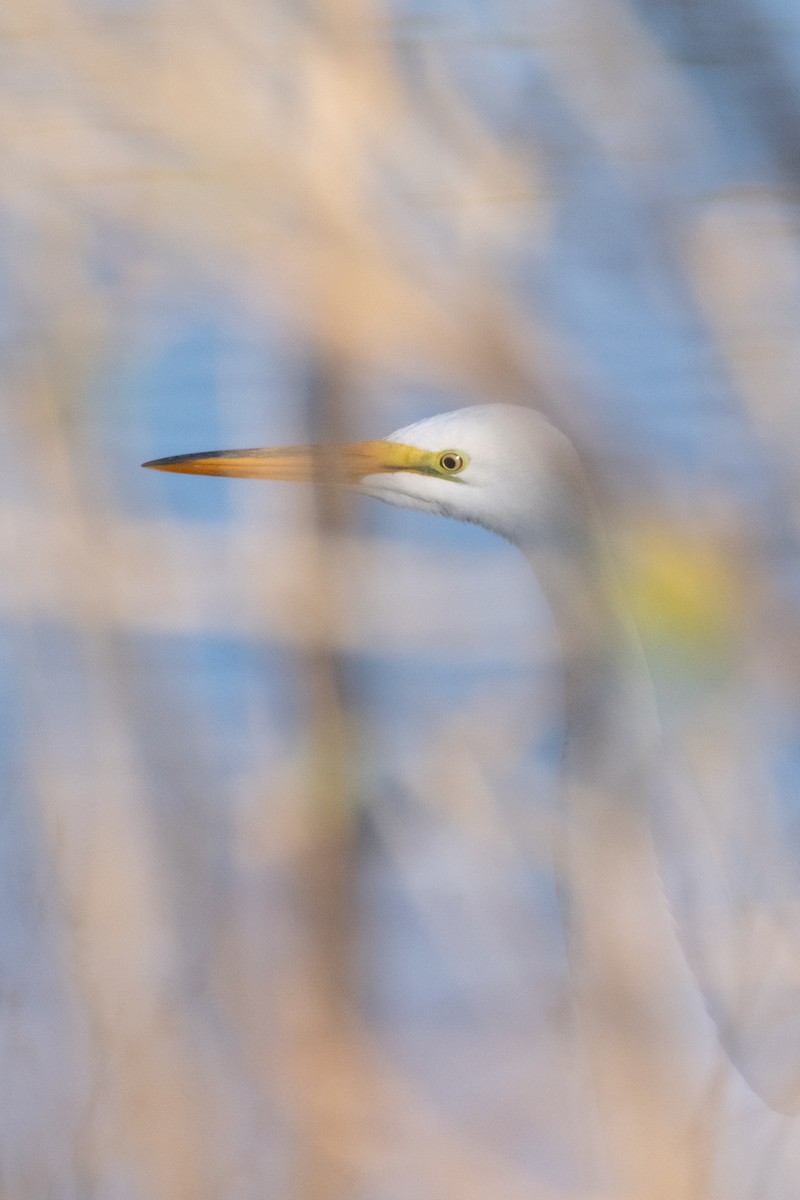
<point>451,461</point>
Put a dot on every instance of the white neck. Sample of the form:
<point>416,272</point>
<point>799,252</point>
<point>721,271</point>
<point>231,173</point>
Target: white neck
<point>609,710</point>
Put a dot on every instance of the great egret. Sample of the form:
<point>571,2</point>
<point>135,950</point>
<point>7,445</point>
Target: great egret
<point>506,468</point>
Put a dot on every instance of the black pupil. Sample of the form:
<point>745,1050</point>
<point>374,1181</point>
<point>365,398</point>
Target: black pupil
<point>450,462</point>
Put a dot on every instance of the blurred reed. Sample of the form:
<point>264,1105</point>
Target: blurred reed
<point>209,987</point>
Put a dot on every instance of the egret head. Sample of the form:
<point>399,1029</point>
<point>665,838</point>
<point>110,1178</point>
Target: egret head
<point>497,465</point>
<point>500,466</point>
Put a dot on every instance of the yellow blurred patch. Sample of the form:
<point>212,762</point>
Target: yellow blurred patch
<point>682,588</point>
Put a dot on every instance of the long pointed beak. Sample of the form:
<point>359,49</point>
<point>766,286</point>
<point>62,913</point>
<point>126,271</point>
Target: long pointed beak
<point>345,463</point>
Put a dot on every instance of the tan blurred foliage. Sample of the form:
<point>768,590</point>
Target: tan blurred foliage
<point>206,1013</point>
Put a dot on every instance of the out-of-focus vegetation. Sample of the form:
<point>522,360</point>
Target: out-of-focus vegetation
<point>280,905</point>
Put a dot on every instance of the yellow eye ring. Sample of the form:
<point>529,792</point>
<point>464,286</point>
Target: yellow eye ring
<point>451,461</point>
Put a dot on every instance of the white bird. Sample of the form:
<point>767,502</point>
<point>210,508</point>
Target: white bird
<point>507,469</point>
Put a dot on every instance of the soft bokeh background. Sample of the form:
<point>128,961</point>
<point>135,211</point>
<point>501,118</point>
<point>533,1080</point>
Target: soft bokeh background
<point>278,911</point>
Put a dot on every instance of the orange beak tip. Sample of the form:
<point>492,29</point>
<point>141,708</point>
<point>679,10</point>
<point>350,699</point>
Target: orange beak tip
<point>210,463</point>
<point>161,464</point>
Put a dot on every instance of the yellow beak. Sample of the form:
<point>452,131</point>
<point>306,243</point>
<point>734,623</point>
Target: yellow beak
<point>345,463</point>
